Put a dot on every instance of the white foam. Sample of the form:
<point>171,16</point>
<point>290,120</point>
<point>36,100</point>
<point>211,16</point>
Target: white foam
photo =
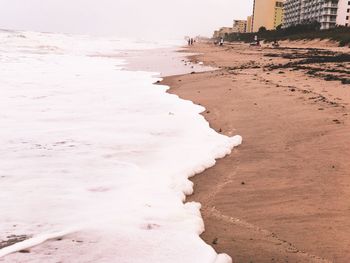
<point>97,155</point>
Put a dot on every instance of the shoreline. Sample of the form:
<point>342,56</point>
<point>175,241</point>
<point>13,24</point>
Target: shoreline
<point>25,246</point>
<point>282,195</point>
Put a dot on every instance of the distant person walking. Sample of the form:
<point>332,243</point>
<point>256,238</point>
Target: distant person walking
<point>190,41</point>
<point>221,43</point>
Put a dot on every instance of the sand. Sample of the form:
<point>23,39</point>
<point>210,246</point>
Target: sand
<point>284,194</point>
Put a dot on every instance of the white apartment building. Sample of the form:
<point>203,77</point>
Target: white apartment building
<point>343,16</point>
<point>292,10</point>
<point>323,11</point>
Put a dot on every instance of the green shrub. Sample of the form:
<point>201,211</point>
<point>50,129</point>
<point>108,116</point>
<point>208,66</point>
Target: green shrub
<point>298,32</point>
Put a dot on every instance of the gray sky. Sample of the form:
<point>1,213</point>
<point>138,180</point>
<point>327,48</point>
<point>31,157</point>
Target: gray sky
<point>123,18</point>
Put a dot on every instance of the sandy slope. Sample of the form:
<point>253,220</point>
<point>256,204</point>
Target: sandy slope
<point>284,195</point>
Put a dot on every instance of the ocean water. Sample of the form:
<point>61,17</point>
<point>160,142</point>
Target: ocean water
<point>95,158</point>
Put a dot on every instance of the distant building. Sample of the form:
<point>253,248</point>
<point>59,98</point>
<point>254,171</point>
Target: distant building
<point>279,14</point>
<point>239,26</point>
<point>222,32</point>
<point>292,13</point>
<point>267,13</point>
<point>249,24</point>
<point>343,13</point>
<point>328,13</point>
<point>323,11</point>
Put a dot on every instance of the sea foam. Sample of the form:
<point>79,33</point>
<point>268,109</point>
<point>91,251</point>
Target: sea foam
<point>95,160</point>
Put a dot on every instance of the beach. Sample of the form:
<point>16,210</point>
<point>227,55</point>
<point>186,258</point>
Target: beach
<point>280,196</point>
<point>283,195</point>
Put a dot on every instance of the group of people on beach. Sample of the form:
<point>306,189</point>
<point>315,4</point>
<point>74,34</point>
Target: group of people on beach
<point>191,41</point>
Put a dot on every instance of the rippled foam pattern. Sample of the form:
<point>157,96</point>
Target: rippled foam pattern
<point>95,160</point>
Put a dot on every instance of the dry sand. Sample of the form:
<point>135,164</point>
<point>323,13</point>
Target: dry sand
<point>284,194</point>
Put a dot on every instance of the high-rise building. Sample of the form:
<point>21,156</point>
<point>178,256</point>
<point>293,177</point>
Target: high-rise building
<point>323,11</point>
<point>292,12</point>
<point>279,14</point>
<point>239,26</point>
<point>343,14</point>
<point>267,13</point>
<point>249,24</point>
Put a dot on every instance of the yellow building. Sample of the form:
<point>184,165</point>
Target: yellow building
<point>249,24</point>
<point>222,32</point>
<point>239,26</point>
<point>279,14</point>
<point>267,13</point>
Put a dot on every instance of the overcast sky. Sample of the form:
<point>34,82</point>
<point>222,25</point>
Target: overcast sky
<point>123,18</point>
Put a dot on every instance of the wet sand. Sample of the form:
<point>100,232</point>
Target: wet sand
<point>164,62</point>
<point>284,194</point>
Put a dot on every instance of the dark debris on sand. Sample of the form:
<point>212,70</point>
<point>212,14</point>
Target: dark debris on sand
<point>325,64</point>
